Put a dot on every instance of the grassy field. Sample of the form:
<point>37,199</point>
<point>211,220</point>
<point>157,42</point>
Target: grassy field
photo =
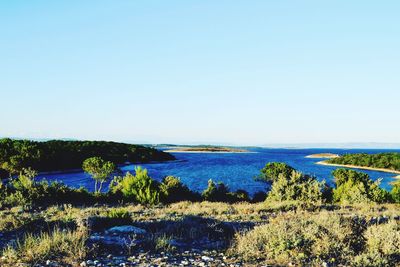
<point>247,234</point>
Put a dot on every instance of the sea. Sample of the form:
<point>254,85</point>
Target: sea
<point>236,170</point>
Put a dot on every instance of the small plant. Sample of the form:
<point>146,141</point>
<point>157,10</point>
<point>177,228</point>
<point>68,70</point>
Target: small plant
<point>118,213</point>
<point>163,243</point>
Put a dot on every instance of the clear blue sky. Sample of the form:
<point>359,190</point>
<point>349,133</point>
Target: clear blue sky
<point>243,72</point>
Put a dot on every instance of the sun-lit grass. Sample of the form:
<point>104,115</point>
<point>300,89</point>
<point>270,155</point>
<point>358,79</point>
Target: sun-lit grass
<point>67,246</point>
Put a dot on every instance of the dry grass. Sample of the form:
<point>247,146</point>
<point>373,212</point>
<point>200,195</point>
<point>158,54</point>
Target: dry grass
<point>66,246</point>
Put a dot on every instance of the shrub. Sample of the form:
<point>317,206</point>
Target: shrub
<point>25,191</point>
<point>140,187</point>
<point>272,170</point>
<point>215,192</point>
<point>382,245</point>
<point>296,186</point>
<point>395,193</point>
<point>302,239</point>
<point>220,193</point>
<point>357,187</point>
<point>173,190</point>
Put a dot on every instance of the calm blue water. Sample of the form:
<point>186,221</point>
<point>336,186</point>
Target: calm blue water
<point>236,170</point>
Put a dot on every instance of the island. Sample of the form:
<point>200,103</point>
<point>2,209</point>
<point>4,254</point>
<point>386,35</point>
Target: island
<point>205,149</point>
<point>383,162</point>
<point>323,156</point>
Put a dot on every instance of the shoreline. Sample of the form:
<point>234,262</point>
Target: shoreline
<point>361,168</point>
<point>209,152</point>
<point>322,156</point>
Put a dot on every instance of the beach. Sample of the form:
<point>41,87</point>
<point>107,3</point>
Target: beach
<point>360,167</point>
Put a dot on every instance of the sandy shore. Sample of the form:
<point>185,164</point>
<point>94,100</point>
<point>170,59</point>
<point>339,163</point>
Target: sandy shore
<point>323,156</point>
<point>360,167</point>
<point>200,151</point>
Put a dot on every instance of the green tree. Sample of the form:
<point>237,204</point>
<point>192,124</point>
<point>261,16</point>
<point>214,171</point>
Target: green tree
<point>272,170</point>
<point>99,169</point>
<point>216,192</point>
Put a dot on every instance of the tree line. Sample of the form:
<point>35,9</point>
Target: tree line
<point>56,155</point>
<point>390,160</point>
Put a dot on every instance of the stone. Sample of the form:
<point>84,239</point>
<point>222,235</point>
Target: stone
<point>127,229</point>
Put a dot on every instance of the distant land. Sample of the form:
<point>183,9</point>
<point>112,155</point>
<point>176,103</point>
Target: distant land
<point>349,145</point>
<point>340,145</point>
<point>323,156</point>
<point>383,162</point>
<point>204,149</point>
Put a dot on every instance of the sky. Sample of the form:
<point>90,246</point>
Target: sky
<point>220,72</point>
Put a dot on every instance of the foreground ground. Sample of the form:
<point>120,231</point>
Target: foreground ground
<point>202,234</point>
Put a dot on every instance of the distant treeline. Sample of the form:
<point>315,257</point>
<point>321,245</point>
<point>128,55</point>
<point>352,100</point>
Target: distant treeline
<point>58,155</point>
<point>382,160</point>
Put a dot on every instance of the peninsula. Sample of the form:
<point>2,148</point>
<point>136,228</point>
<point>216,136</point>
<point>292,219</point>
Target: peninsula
<point>206,149</point>
<point>383,162</point>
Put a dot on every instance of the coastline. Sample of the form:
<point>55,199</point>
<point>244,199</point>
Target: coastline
<point>323,156</point>
<point>360,167</point>
<point>208,152</point>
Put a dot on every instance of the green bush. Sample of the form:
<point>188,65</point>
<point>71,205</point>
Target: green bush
<point>220,193</point>
<point>302,240</point>
<point>382,245</point>
<point>357,187</point>
<point>173,190</point>
<point>140,188</point>
<point>395,193</point>
<point>296,186</point>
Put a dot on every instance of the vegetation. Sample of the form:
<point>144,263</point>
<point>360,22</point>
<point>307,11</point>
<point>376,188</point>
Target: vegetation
<point>139,187</point>
<point>67,246</point>
<point>357,187</point>
<point>325,238</point>
<point>274,233</point>
<point>272,170</point>
<point>99,169</point>
<point>390,161</point>
<point>300,221</point>
<point>296,186</point>
<point>57,155</point>
<point>173,190</point>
